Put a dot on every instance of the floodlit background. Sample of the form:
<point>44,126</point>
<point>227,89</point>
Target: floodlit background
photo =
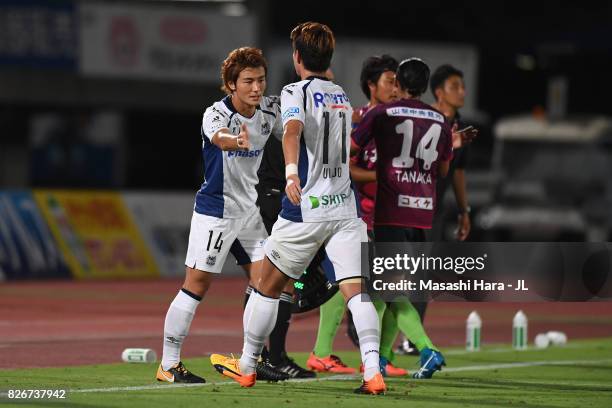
<point>100,150</point>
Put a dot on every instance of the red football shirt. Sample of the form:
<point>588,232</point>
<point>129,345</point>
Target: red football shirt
<point>412,138</point>
<point>365,158</point>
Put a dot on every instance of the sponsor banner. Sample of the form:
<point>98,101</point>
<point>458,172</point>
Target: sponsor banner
<point>38,34</point>
<point>490,271</point>
<point>160,42</point>
<point>27,247</point>
<point>96,234</point>
<point>164,219</point>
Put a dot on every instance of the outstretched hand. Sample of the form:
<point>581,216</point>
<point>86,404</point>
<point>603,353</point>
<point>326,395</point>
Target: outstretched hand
<point>464,136</point>
<point>464,226</point>
<point>293,189</point>
<point>243,138</point>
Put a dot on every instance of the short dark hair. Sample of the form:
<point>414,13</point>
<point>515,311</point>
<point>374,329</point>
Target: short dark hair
<point>315,43</point>
<point>373,68</point>
<point>236,61</point>
<point>413,76</point>
<point>441,74</point>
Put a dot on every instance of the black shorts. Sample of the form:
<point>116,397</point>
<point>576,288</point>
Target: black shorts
<point>269,200</point>
<point>389,233</point>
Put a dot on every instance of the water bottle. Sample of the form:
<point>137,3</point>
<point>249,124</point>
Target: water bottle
<point>473,326</point>
<point>519,331</point>
<point>139,355</point>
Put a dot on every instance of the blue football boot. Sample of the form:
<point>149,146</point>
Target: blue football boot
<point>431,361</point>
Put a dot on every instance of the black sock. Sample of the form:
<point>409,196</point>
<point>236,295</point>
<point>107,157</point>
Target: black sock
<point>278,337</point>
<point>421,308</point>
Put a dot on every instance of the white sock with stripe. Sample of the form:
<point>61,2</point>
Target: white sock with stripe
<point>367,326</point>
<point>258,320</point>
<point>178,320</point>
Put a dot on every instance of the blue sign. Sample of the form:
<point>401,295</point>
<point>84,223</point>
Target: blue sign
<point>39,34</point>
<point>27,247</point>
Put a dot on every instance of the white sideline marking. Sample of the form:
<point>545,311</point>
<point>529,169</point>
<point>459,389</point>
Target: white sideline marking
<point>166,386</point>
<point>571,383</point>
<point>506,350</point>
<point>347,377</point>
<point>521,365</point>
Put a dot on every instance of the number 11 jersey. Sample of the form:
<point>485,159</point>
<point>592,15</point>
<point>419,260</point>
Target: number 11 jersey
<point>323,164</point>
<point>412,138</point>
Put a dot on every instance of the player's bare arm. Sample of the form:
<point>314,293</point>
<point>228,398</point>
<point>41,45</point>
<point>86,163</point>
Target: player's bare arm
<point>354,147</point>
<point>224,140</point>
<point>463,222</point>
<point>357,116</point>
<point>291,150</point>
<point>362,133</point>
<point>361,175</point>
<point>443,168</point>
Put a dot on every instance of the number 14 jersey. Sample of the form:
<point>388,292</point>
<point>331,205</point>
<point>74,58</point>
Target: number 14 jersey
<point>412,138</point>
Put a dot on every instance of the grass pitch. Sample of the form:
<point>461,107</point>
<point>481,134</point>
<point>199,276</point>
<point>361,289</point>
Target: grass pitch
<point>578,375</point>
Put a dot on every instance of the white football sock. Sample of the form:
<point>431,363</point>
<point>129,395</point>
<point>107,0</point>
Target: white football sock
<point>367,326</point>
<point>178,319</point>
<point>259,319</point>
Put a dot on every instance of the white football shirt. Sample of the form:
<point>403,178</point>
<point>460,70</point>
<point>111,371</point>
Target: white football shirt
<point>323,164</point>
<point>230,177</point>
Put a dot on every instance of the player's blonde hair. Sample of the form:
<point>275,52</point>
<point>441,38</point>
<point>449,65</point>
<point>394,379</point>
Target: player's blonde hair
<point>236,61</point>
<point>315,44</point>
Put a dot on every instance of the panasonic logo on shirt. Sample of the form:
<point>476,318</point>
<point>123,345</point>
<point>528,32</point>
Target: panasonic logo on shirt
<point>241,153</point>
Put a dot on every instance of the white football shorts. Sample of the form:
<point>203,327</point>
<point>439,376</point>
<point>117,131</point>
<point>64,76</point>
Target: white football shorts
<point>212,238</point>
<point>292,245</point>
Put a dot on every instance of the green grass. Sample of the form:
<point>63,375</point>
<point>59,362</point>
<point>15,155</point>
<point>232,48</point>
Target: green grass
<point>579,375</point>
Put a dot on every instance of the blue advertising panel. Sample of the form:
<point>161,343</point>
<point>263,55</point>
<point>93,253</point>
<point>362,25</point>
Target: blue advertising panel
<point>39,34</point>
<point>27,247</point>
